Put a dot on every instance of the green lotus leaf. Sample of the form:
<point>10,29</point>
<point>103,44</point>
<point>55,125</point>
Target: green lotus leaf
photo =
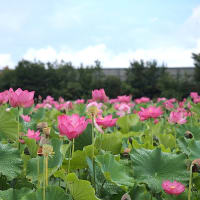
<point>28,125</point>
<point>109,142</point>
<point>8,125</point>
<point>194,149</point>
<point>32,146</point>
<point>194,129</point>
<point>140,193</point>
<point>10,161</point>
<point>181,196</point>
<point>127,121</point>
<point>80,109</point>
<point>54,162</point>
<point>51,193</point>
<point>84,139</point>
<point>183,145</point>
<point>13,194</point>
<point>80,189</point>
<point>39,114</point>
<point>147,143</point>
<point>153,167</point>
<point>114,171</point>
<point>78,160</point>
<point>168,140</point>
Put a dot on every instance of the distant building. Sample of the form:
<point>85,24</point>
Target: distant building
<point>174,71</point>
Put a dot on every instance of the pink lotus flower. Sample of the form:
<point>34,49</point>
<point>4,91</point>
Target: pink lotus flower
<point>196,100</point>
<point>49,100</point>
<point>173,187</point>
<point>172,100</point>
<point>4,96</point>
<point>71,126</point>
<point>99,95</point>
<point>150,112</point>
<point>95,107</point>
<point>21,98</point>
<point>79,101</point>
<point>189,105</point>
<point>64,106</point>
<point>194,95</point>
<point>124,99</point>
<point>168,105</point>
<point>107,121</point>
<point>61,100</point>
<point>123,109</point>
<point>182,103</point>
<point>177,117</point>
<point>112,101</point>
<point>156,121</point>
<point>161,99</point>
<point>142,100</point>
<point>33,135</point>
<point>26,118</point>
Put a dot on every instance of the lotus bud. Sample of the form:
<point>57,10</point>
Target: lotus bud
<point>127,150</point>
<point>126,197</point>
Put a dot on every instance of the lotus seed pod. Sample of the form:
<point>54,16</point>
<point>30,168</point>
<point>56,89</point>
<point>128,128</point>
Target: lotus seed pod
<point>92,110</point>
<point>47,150</point>
<point>44,140</point>
<point>46,131</point>
<point>196,161</point>
<point>42,125</point>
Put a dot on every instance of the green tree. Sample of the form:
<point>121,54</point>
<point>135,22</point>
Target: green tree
<point>112,86</point>
<point>143,78</point>
<point>31,76</point>
<point>7,79</point>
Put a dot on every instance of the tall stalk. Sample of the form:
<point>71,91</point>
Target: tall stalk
<point>18,128</point>
<point>70,156</point>
<point>93,161</point>
<point>44,179</point>
<point>190,183</point>
<point>38,171</point>
<point>47,150</point>
<point>46,169</point>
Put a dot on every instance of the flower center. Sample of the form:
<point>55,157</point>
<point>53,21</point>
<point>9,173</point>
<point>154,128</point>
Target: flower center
<point>172,187</point>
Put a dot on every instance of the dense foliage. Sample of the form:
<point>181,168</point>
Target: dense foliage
<point>63,79</point>
<point>119,149</point>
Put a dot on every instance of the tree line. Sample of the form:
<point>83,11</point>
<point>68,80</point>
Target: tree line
<point>63,79</point>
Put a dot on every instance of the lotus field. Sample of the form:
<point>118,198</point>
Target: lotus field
<point>109,149</point>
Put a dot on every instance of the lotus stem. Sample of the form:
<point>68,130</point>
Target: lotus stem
<point>93,161</point>
<point>38,171</point>
<point>46,169</point>
<point>44,179</point>
<point>175,135</point>
<point>18,128</point>
<point>190,183</point>
<point>73,146</point>
<point>70,157</point>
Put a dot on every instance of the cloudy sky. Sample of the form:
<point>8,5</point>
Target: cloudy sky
<point>115,32</point>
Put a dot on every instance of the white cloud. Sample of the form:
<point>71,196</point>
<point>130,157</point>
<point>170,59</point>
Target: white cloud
<point>6,60</point>
<point>190,30</point>
<point>172,56</point>
<point>153,20</point>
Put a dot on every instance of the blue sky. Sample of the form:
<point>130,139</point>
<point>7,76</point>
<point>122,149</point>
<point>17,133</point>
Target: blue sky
<point>112,31</point>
